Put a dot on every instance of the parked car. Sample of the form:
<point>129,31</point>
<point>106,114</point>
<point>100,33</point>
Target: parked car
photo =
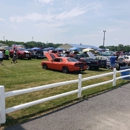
<point>127,59</point>
<point>21,53</point>
<point>32,53</point>
<point>91,62</point>
<point>14,47</point>
<point>123,61</point>
<point>64,64</point>
<point>40,54</point>
<point>104,61</point>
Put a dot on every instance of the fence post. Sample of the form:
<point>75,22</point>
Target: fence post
<point>114,77</point>
<point>79,85</point>
<point>2,105</point>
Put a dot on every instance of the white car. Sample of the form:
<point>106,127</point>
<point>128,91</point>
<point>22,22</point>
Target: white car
<point>127,59</point>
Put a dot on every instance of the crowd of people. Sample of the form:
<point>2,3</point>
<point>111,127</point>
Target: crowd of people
<point>4,54</point>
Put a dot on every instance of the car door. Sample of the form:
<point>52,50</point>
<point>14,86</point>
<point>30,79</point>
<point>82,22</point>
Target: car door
<point>57,64</point>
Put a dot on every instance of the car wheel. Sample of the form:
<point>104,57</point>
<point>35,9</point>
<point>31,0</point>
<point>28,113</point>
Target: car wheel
<point>65,70</point>
<point>45,66</point>
<point>97,68</point>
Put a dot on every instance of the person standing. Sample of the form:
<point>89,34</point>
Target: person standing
<point>113,61</point>
<point>14,58</point>
<point>1,57</point>
<point>7,54</point>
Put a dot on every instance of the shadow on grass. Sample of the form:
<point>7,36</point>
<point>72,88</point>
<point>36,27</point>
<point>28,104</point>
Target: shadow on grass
<point>80,72</point>
<point>11,121</point>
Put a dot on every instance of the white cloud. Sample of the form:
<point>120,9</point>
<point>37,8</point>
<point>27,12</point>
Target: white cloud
<point>1,19</point>
<point>44,1</point>
<point>122,22</point>
<point>70,14</point>
<point>49,17</point>
<point>33,17</point>
<point>17,19</point>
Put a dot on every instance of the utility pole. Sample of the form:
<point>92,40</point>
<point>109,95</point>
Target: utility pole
<point>32,38</point>
<point>4,38</point>
<point>104,38</point>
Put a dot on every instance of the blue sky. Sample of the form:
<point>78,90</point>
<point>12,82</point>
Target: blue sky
<point>66,21</point>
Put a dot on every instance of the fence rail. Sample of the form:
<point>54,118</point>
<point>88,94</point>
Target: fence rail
<point>4,95</point>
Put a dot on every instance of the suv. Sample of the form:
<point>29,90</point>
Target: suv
<point>87,57</point>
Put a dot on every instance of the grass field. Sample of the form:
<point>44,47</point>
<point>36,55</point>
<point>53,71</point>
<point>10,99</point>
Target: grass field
<point>29,73</point>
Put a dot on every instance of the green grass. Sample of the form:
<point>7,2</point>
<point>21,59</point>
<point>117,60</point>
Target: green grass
<point>29,73</point>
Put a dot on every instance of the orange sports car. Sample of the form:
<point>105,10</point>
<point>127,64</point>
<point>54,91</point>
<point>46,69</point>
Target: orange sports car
<point>64,64</point>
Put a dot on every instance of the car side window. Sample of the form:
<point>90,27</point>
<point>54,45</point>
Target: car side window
<point>58,60</point>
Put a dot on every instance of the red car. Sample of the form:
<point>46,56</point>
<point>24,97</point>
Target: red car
<point>21,52</point>
<point>14,47</point>
<point>64,64</point>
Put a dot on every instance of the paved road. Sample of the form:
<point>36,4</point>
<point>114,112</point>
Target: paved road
<point>107,111</point>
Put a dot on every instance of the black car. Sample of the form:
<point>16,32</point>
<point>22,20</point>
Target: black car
<point>32,53</point>
<point>40,54</point>
<point>91,62</point>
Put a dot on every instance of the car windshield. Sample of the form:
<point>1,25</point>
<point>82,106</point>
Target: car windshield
<point>72,59</point>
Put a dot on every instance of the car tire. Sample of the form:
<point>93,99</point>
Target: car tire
<point>65,70</point>
<point>45,66</point>
<point>96,68</point>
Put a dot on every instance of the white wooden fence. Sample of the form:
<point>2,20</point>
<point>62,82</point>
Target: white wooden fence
<point>3,94</point>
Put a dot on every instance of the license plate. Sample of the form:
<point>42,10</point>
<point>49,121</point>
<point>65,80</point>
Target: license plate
<point>27,55</point>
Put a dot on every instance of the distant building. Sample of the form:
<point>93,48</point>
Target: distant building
<point>67,46</point>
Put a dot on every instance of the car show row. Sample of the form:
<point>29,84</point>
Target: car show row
<point>65,60</point>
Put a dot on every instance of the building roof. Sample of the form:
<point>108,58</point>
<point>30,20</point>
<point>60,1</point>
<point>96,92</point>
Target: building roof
<point>83,46</point>
<point>67,46</point>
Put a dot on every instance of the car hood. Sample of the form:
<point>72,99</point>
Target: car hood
<point>24,51</point>
<point>50,56</point>
<point>91,55</point>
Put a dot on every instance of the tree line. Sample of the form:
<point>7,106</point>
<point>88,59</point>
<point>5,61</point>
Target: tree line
<point>31,44</point>
<point>120,47</point>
